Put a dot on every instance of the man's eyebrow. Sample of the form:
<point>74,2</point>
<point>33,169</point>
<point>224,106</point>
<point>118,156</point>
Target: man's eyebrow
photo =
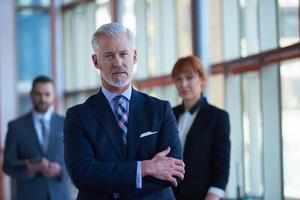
<point>109,52</point>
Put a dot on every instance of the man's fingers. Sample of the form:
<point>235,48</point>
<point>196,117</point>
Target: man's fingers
<point>172,180</point>
<point>178,175</point>
<point>178,162</point>
<point>180,169</point>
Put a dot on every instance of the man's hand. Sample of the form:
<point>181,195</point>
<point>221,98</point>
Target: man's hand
<point>163,167</point>
<point>52,170</point>
<point>211,196</point>
<point>36,166</point>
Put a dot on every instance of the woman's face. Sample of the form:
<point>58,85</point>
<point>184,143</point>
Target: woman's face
<point>189,85</point>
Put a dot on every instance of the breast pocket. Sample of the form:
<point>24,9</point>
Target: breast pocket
<point>147,145</point>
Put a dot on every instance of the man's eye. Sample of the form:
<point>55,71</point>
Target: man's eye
<point>124,54</point>
<point>108,56</point>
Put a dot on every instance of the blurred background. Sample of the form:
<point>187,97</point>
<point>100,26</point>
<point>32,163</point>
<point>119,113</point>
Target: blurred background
<point>251,49</point>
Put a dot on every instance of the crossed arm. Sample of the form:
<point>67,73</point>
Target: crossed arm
<point>91,174</point>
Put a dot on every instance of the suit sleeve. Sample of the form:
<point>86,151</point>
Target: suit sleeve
<point>88,173</point>
<point>12,165</point>
<point>221,151</point>
<point>168,136</point>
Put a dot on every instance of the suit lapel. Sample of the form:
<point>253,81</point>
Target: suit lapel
<point>137,112</point>
<point>196,126</point>
<point>106,118</point>
<point>32,133</point>
<point>54,129</point>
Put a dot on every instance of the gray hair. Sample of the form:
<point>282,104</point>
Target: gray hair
<point>112,29</point>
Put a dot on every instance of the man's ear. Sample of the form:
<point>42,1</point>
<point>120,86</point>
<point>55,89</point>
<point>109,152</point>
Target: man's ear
<point>134,56</point>
<point>95,61</point>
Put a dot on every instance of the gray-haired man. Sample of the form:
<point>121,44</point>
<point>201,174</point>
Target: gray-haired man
<point>121,143</point>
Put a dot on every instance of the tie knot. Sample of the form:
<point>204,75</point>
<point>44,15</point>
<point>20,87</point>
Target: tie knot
<point>120,99</point>
<point>42,120</point>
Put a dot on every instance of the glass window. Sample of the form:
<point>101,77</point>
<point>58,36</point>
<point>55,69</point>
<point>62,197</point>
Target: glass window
<point>168,93</point>
<point>33,44</point>
<point>184,27</point>
<point>249,27</point>
<point>290,87</point>
<point>252,137</point>
<point>102,13</point>
<point>33,35</point>
<point>78,98</point>
<point>288,22</point>
<point>216,90</point>
<point>24,103</point>
<point>129,17</point>
<point>214,31</point>
<point>157,38</point>
<point>33,2</point>
<point>79,25</point>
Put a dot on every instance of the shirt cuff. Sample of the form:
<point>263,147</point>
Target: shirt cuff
<point>139,175</point>
<point>217,191</point>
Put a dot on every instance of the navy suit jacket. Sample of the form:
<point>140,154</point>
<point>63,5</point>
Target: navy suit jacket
<point>206,153</point>
<point>96,158</point>
<point>22,143</point>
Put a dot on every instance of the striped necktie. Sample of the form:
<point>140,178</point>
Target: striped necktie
<point>121,115</point>
<point>44,135</point>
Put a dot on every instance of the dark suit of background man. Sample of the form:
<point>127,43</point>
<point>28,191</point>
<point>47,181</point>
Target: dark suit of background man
<point>121,143</point>
<point>33,153</point>
<point>204,133</point>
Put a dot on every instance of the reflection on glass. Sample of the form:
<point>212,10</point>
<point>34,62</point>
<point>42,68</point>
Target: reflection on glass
<point>216,90</point>
<point>129,18</point>
<point>290,87</point>
<point>249,27</point>
<point>252,136</point>
<point>168,93</point>
<point>103,13</point>
<point>33,2</point>
<point>79,26</point>
<point>184,27</point>
<point>288,22</point>
<point>24,104</point>
<point>33,45</point>
<point>161,36</point>
<point>76,99</point>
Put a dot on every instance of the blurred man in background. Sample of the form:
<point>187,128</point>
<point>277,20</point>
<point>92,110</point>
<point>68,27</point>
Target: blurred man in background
<point>33,154</point>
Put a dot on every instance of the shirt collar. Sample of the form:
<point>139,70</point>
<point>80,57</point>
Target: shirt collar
<point>110,95</point>
<point>45,116</point>
<point>198,106</point>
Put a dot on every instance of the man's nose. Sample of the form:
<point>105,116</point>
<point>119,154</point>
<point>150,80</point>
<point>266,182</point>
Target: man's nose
<point>117,61</point>
<point>43,97</point>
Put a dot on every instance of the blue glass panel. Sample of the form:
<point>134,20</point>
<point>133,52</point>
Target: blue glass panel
<point>24,104</point>
<point>33,2</point>
<point>33,45</point>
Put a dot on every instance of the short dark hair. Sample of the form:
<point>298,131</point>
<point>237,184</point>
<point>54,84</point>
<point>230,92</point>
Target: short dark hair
<point>41,79</point>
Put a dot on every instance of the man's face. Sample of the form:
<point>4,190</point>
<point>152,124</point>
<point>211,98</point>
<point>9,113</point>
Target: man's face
<point>42,96</point>
<point>115,59</point>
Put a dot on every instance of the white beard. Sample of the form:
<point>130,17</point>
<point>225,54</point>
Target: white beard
<point>121,82</point>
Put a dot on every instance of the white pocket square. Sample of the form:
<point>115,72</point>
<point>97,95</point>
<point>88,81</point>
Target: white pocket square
<point>147,133</point>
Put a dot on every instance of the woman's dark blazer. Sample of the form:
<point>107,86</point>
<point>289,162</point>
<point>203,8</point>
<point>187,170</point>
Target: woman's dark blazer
<point>206,153</point>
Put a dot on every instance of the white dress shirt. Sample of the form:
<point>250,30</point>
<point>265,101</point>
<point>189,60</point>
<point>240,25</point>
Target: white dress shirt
<point>37,117</point>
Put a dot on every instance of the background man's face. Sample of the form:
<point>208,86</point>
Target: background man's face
<point>42,96</point>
